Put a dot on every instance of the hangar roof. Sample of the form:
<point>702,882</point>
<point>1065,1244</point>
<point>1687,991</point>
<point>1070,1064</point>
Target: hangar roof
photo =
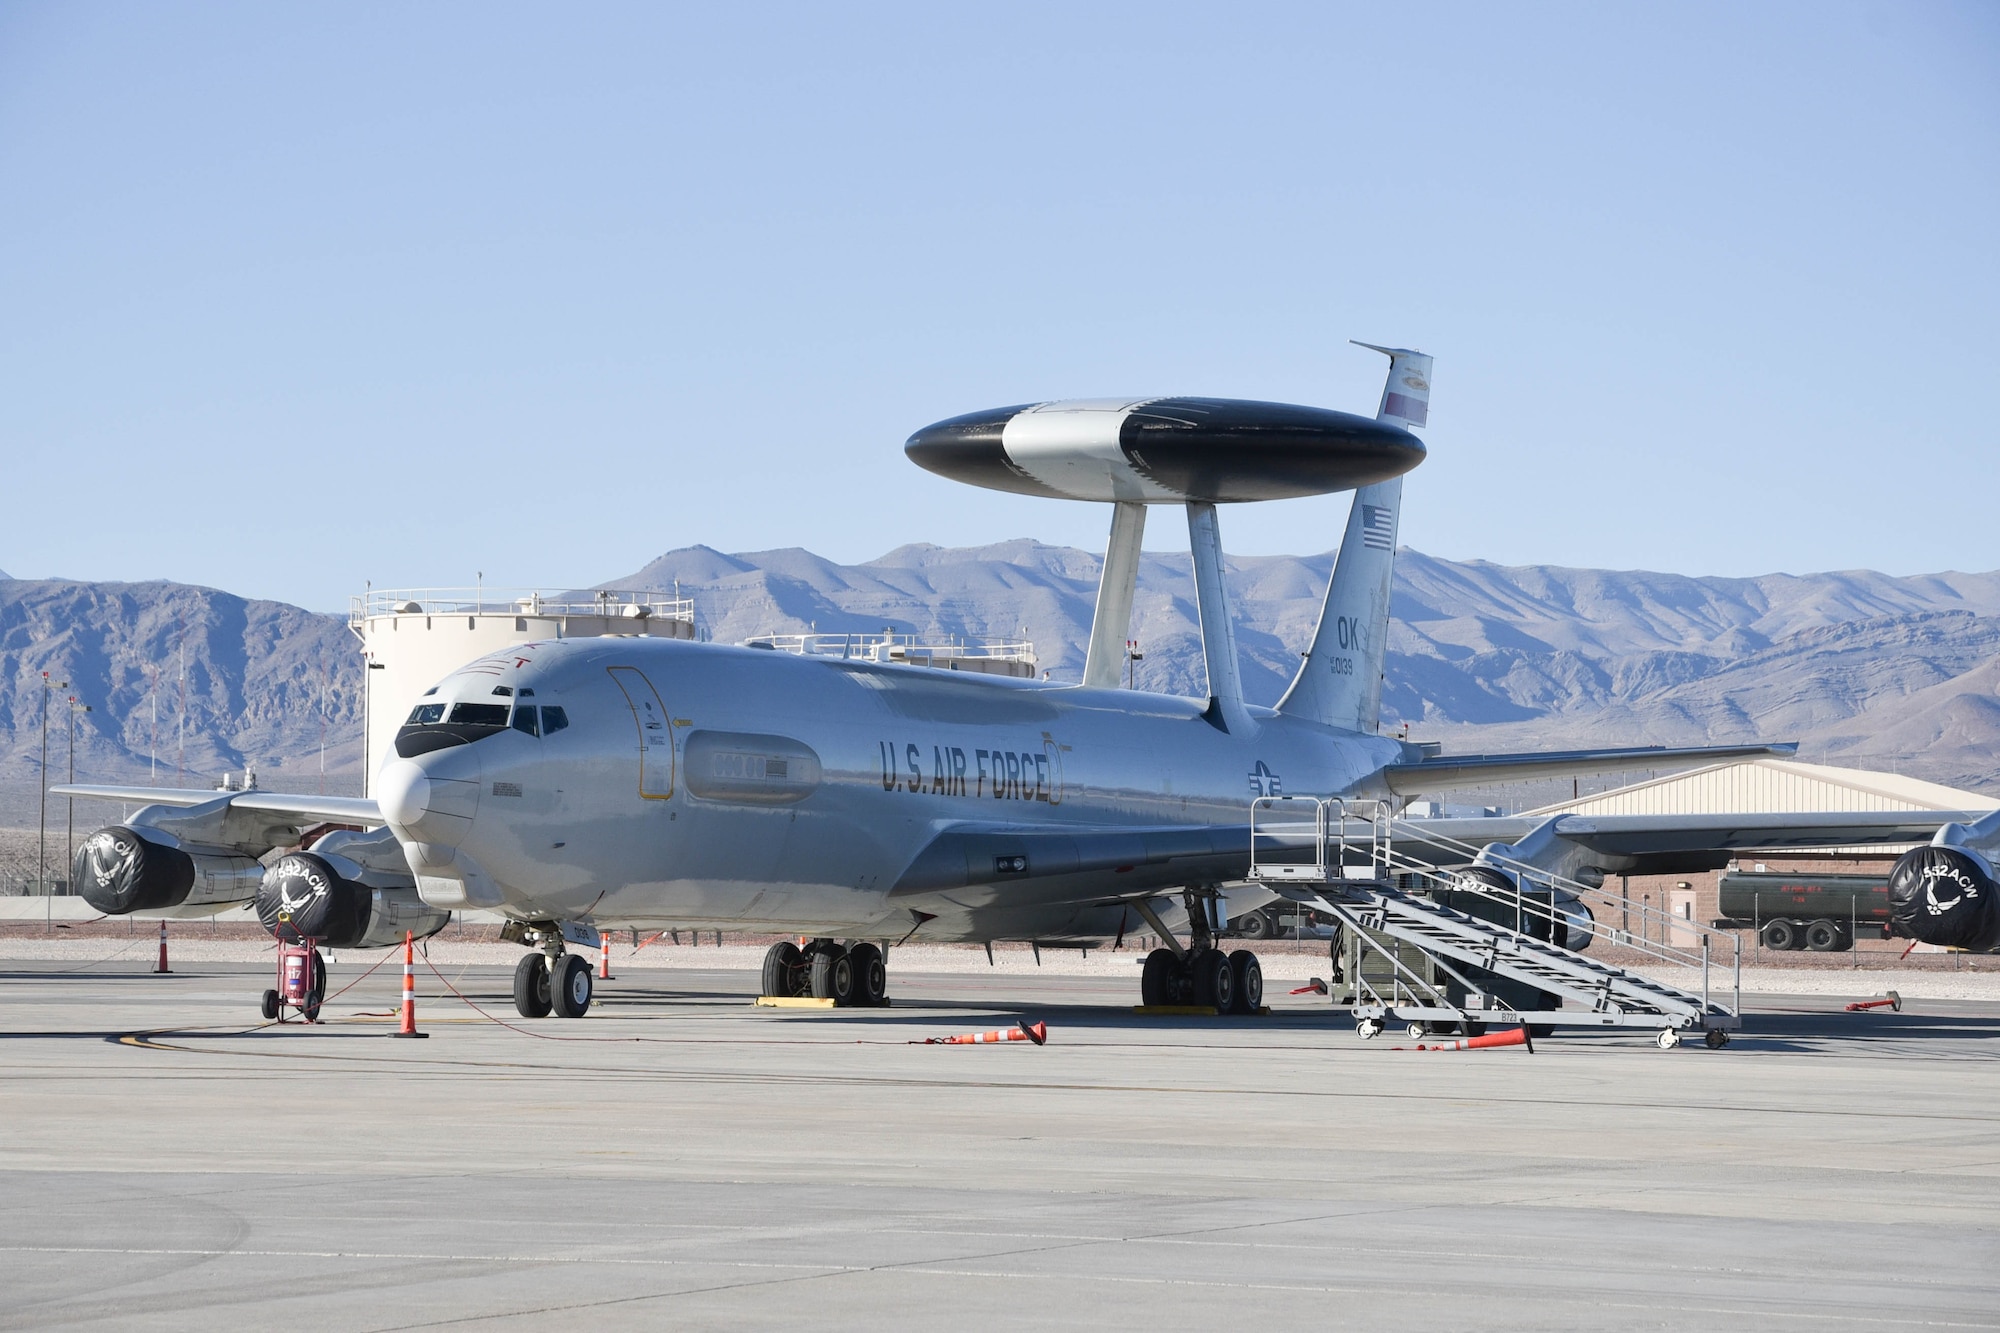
<point>1775,786</point>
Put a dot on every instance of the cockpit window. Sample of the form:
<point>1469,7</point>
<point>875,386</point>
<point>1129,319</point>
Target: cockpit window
<point>425,731</point>
<point>524,719</point>
<point>554,719</point>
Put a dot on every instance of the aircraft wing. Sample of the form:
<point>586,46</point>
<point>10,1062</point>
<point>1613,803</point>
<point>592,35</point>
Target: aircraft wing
<point>1050,863</point>
<point>329,809</point>
<point>1674,844</point>
<point>1111,861</point>
<point>1459,771</point>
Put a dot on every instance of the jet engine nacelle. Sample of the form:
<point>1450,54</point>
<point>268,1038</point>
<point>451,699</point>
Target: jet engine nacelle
<point>1561,918</point>
<point>304,895</point>
<point>120,870</point>
<point>1946,896</point>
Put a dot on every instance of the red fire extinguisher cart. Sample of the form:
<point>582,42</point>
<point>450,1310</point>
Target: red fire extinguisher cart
<point>301,978</point>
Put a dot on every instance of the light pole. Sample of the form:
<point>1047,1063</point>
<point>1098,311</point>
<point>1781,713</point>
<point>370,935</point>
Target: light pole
<point>42,845</point>
<point>69,818</point>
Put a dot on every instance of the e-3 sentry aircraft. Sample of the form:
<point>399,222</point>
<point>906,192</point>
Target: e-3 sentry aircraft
<point>598,783</point>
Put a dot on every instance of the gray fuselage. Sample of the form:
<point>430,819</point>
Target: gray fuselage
<point>709,786</point>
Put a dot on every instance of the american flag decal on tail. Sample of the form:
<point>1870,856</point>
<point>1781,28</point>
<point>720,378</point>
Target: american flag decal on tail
<point>1416,411</point>
<point>1378,527</point>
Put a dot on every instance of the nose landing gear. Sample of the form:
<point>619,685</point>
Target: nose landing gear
<point>550,980</point>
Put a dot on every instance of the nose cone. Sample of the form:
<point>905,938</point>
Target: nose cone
<point>403,792</point>
<point>425,805</point>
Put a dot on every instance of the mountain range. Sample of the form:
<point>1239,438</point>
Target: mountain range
<point>1861,668</point>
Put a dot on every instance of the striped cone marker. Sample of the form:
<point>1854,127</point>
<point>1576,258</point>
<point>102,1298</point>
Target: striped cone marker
<point>604,958</point>
<point>409,1027</point>
<point>161,968</point>
<point>1890,1000</point>
<point>1037,1033</point>
<point>1511,1037</point>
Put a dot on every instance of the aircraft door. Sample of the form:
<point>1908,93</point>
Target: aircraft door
<point>656,732</point>
<point>1054,751</point>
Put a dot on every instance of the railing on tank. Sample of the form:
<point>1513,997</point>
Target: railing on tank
<point>899,648</point>
<point>606,602</point>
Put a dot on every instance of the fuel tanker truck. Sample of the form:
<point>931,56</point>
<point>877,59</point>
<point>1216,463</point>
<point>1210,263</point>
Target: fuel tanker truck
<point>1804,909</point>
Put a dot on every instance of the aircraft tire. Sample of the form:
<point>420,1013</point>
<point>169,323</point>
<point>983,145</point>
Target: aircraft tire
<point>833,976</point>
<point>1781,936</point>
<point>785,972</point>
<point>1214,982</point>
<point>531,987</point>
<point>570,986</point>
<point>1156,978</point>
<point>1249,978</point>
<point>871,974</point>
<point>318,992</point>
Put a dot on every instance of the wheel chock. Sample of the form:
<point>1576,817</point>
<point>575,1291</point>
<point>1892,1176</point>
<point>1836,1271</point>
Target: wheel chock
<point>1890,1000</point>
<point>1188,1011</point>
<point>1511,1037</point>
<point>1038,1033</point>
<point>1313,987</point>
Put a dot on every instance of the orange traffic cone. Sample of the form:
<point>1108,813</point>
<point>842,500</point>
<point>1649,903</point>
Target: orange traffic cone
<point>1037,1033</point>
<point>409,1028</point>
<point>162,968</point>
<point>1511,1037</point>
<point>604,960</point>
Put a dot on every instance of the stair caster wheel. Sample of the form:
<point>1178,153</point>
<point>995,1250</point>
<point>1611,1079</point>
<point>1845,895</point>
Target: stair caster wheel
<point>1716,1039</point>
<point>1668,1039</point>
<point>1417,1030</point>
<point>1368,1028</point>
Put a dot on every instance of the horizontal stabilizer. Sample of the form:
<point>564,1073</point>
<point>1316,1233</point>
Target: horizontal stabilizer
<point>1458,772</point>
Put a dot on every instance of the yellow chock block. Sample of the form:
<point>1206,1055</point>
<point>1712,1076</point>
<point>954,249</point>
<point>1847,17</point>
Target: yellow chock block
<point>1187,1011</point>
<point>792,1002</point>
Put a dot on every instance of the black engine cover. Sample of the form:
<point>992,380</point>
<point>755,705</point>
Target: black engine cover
<point>303,897</point>
<point>1943,896</point>
<point>117,871</point>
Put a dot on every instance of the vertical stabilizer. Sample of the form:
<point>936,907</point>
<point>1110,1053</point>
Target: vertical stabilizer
<point>1340,682</point>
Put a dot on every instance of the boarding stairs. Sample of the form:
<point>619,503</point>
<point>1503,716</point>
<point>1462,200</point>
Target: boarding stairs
<point>1342,857</point>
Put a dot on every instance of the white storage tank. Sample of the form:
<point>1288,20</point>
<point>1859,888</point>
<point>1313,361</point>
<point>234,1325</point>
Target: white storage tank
<point>413,638</point>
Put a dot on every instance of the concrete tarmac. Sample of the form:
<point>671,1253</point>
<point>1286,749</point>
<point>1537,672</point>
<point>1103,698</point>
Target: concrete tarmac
<point>681,1157</point>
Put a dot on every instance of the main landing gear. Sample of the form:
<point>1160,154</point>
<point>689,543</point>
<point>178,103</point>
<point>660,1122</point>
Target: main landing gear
<point>551,980</point>
<point>1201,974</point>
<point>1233,983</point>
<point>848,974</point>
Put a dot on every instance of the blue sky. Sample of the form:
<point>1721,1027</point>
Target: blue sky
<point>295,296</point>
